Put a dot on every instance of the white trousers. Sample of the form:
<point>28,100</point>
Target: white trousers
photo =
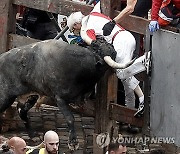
<point>124,44</point>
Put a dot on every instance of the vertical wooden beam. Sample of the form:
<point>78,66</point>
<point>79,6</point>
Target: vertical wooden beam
<point>106,91</point>
<point>102,120</point>
<point>147,84</point>
<point>106,7</point>
<point>7,21</point>
<point>112,88</point>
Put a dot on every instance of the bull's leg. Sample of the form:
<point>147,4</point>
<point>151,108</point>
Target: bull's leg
<point>73,143</point>
<point>23,110</point>
<point>4,104</point>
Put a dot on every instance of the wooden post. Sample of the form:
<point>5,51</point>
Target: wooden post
<point>147,84</point>
<point>7,22</point>
<point>106,6</point>
<point>107,91</point>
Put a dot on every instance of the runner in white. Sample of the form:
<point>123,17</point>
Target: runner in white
<point>124,44</point>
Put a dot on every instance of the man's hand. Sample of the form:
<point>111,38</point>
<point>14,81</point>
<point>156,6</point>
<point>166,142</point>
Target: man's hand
<point>108,27</point>
<point>153,26</point>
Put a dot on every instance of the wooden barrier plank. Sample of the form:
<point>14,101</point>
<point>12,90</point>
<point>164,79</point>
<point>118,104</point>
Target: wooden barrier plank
<point>135,24</point>
<point>64,7</point>
<point>17,41</point>
<point>123,114</point>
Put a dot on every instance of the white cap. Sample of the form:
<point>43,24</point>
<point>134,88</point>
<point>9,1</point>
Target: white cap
<point>75,17</point>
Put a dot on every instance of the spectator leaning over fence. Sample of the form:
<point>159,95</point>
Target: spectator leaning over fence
<point>164,12</point>
<point>39,25</point>
<point>51,144</point>
<point>17,145</point>
<point>124,44</point>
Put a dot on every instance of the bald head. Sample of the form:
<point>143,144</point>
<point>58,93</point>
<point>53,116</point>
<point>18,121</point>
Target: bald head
<point>18,145</point>
<point>51,141</point>
<point>50,135</point>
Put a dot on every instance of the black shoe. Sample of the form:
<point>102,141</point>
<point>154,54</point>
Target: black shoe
<point>140,111</point>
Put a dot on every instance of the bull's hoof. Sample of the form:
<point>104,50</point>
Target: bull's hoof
<point>73,145</point>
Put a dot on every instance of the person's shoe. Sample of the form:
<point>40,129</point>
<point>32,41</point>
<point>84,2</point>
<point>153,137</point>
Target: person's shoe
<point>140,111</point>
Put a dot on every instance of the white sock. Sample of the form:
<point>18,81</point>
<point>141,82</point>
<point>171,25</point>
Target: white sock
<point>141,100</point>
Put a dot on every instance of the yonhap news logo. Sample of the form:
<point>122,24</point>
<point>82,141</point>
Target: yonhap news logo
<point>103,140</point>
<point>143,140</point>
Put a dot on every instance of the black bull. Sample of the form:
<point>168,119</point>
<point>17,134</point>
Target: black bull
<point>53,68</point>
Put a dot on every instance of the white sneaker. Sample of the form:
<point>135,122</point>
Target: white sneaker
<point>140,111</point>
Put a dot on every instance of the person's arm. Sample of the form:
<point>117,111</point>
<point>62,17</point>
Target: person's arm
<point>156,5</point>
<point>126,11</point>
<point>108,27</point>
<point>154,25</point>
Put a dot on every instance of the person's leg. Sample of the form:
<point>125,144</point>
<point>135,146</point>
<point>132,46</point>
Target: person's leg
<point>140,95</point>
<point>130,84</point>
<point>129,94</point>
<point>140,64</point>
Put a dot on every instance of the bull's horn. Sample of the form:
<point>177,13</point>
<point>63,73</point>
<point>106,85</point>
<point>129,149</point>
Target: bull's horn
<point>116,65</point>
<point>84,35</point>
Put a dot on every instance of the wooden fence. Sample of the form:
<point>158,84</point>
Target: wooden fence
<point>106,108</point>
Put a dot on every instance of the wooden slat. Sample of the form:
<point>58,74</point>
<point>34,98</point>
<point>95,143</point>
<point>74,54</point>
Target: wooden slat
<point>135,24</point>
<point>63,7</point>
<point>123,114</point>
<point>17,40</point>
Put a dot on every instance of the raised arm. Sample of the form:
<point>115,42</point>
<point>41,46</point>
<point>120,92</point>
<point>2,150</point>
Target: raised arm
<point>126,11</point>
<point>107,29</point>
